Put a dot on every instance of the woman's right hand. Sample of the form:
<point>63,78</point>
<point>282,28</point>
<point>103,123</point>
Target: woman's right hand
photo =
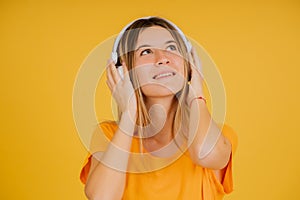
<point>121,89</point>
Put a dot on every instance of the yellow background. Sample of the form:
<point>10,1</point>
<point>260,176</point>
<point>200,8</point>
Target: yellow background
<point>254,44</point>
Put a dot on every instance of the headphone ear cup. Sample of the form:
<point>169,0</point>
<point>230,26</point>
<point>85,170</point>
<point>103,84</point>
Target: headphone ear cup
<point>114,56</point>
<point>118,63</point>
<point>189,73</point>
<point>121,71</point>
<point>189,46</point>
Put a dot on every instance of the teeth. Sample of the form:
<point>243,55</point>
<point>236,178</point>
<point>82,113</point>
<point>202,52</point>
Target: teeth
<point>163,75</point>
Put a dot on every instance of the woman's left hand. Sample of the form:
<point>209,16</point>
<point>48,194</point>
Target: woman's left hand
<point>195,85</point>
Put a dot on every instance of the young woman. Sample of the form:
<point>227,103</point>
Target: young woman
<point>165,144</point>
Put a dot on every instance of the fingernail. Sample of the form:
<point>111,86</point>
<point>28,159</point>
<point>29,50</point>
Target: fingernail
<point>109,61</point>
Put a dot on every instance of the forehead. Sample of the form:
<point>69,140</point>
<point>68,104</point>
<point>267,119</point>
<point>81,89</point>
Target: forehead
<point>154,35</point>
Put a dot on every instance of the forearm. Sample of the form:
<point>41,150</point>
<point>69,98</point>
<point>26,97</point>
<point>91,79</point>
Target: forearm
<point>107,180</point>
<point>206,138</point>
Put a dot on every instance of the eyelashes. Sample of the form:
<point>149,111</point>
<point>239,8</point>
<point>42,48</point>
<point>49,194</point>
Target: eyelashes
<point>172,47</point>
<point>145,52</point>
<point>148,51</point>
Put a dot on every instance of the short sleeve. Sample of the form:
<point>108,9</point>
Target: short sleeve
<point>227,182</point>
<point>85,169</point>
<point>103,133</point>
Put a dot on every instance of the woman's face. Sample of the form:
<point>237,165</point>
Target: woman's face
<point>158,63</point>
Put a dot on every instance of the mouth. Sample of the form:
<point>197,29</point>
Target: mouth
<point>163,75</point>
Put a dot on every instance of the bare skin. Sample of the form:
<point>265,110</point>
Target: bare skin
<point>158,56</point>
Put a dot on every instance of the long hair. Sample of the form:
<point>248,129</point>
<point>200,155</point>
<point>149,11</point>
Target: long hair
<point>125,50</point>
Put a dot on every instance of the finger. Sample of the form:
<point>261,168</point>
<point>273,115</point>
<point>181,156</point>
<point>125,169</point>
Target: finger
<point>109,77</point>
<point>114,72</point>
<point>109,85</point>
<point>195,58</point>
<point>194,55</point>
<point>197,62</point>
<point>107,70</point>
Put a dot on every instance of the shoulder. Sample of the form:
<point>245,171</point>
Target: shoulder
<point>108,126</point>
<point>102,135</point>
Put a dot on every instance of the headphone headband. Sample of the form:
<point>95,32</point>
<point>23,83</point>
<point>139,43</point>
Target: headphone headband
<point>114,54</point>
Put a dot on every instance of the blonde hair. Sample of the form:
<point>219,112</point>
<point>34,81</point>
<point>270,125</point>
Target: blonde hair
<point>126,53</point>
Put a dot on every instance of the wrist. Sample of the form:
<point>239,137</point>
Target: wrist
<point>129,114</point>
<point>127,122</point>
<point>201,98</point>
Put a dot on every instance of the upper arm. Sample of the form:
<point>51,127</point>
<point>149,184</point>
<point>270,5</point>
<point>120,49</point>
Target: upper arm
<point>95,160</point>
<point>225,176</point>
<point>100,139</point>
<point>89,165</point>
<point>219,156</point>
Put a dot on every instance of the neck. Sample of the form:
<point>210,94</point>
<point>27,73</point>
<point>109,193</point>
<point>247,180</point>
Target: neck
<point>162,112</point>
<point>167,103</point>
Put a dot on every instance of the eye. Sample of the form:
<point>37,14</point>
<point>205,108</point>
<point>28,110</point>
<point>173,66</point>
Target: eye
<point>172,47</point>
<point>145,52</point>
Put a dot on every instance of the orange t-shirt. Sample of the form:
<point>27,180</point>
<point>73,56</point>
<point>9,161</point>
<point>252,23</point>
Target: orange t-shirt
<point>182,179</point>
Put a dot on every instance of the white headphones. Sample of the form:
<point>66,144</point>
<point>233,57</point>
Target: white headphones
<point>114,54</point>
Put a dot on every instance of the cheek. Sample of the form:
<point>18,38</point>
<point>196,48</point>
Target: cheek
<point>140,61</point>
<point>142,73</point>
<point>179,65</point>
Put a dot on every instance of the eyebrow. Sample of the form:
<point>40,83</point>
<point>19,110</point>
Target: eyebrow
<point>147,45</point>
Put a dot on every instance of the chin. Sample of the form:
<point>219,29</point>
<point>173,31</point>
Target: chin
<point>160,90</point>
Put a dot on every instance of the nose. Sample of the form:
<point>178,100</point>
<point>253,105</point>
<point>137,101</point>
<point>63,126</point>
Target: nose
<point>161,58</point>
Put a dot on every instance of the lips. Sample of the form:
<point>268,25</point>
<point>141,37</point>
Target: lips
<point>163,75</point>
